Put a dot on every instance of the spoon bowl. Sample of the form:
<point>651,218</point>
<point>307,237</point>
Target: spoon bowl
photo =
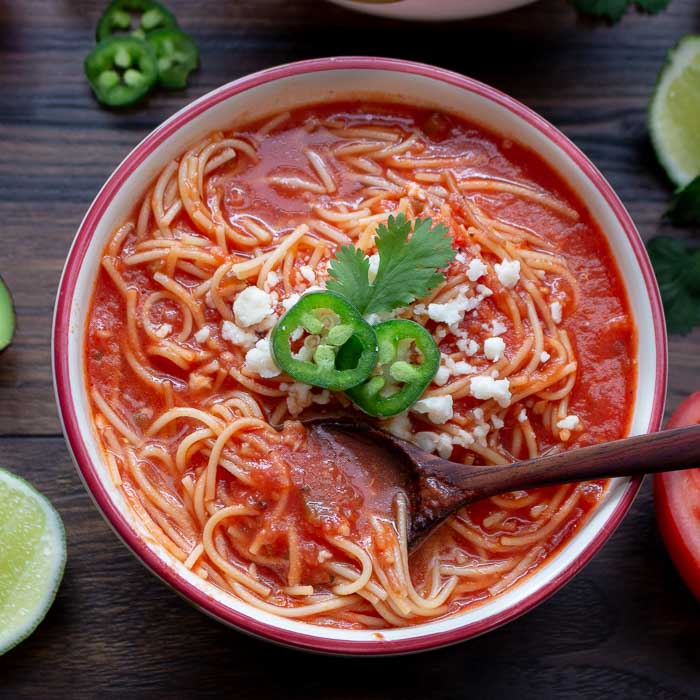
<point>435,487</point>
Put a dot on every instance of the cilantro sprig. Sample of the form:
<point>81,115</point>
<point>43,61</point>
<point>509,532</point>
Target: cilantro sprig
<point>614,10</point>
<point>677,268</point>
<point>408,267</point>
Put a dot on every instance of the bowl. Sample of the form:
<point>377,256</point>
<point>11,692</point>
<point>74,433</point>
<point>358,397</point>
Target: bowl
<point>439,10</point>
<point>278,89</point>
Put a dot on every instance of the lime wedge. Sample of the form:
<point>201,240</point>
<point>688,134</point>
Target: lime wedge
<point>32,558</point>
<point>674,114</point>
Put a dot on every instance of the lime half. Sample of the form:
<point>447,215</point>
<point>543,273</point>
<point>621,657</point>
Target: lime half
<point>674,114</point>
<point>32,557</point>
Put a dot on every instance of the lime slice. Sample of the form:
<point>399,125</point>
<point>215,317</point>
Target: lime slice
<point>674,114</point>
<point>32,557</point>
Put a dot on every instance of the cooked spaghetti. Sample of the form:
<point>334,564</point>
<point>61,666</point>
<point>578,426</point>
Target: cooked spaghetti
<point>536,341</point>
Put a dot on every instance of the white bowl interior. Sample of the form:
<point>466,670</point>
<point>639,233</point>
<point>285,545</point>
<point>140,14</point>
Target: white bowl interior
<point>288,92</point>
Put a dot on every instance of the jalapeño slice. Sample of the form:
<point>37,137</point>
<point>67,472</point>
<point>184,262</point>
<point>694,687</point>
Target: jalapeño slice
<point>407,362</point>
<point>176,55</point>
<point>121,70</point>
<point>319,325</point>
<point>136,17</point>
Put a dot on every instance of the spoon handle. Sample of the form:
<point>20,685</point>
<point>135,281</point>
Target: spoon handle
<point>669,450</point>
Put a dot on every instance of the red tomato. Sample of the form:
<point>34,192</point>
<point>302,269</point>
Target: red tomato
<point>677,500</point>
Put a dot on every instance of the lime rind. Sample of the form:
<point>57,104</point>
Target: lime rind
<point>32,558</point>
<point>674,113</point>
<point>7,316</point>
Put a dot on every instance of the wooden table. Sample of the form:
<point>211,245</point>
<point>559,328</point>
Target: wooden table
<point>625,627</point>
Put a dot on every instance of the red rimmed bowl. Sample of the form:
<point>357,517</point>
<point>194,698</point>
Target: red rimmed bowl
<point>333,79</point>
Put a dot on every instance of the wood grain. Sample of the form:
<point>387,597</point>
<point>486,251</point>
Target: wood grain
<point>625,627</point>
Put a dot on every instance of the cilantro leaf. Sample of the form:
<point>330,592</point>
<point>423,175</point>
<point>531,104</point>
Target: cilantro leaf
<point>677,269</point>
<point>685,207</point>
<point>407,266</point>
<point>613,10</point>
<point>350,272</point>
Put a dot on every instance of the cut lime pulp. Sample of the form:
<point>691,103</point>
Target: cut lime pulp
<point>32,558</point>
<point>674,113</point>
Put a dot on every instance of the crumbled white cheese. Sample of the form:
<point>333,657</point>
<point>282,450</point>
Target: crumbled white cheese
<point>399,425</point>
<point>476,270</point>
<point>544,357</point>
<point>164,330</point>
<point>251,306</point>
<point>481,431</point>
<point>272,279</point>
<point>452,312</point>
<point>307,273</point>
<point>290,301</point>
<point>431,442</point>
<point>437,408</point>
<point>373,267</point>
<point>569,423</point>
<point>522,416</point>
<point>461,367</point>
<point>555,309</point>
<point>461,258</point>
<point>298,397</point>
<point>202,335</point>
<point>494,348</point>
<point>467,346</point>
<point>462,438</point>
<point>497,422</point>
<point>490,388</point>
<point>497,328</point>
<point>508,273</point>
<point>237,336</point>
<point>441,376</point>
<point>258,360</point>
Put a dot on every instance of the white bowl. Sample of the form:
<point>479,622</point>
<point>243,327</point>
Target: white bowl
<point>435,11</point>
<point>279,89</point>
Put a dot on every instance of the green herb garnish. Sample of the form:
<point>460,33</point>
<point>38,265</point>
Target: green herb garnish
<point>677,268</point>
<point>408,268</point>
<point>685,207</point>
<point>614,10</point>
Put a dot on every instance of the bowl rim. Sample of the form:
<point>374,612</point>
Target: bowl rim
<point>77,446</point>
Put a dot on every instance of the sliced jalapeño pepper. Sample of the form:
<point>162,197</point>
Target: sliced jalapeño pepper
<point>176,54</point>
<point>308,338</point>
<point>121,70</point>
<point>136,17</point>
<point>407,362</point>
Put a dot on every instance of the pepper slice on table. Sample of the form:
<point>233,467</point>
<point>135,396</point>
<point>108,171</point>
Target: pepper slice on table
<point>121,70</point>
<point>328,322</point>
<point>137,17</point>
<point>407,362</point>
<point>176,55</point>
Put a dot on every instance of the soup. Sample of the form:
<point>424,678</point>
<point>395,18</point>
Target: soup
<point>202,431</point>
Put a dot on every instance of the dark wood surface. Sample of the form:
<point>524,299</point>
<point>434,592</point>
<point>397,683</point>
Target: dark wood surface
<point>625,627</point>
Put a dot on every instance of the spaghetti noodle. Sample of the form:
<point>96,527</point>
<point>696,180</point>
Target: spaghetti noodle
<point>536,341</point>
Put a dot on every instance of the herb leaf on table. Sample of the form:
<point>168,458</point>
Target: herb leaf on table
<point>677,268</point>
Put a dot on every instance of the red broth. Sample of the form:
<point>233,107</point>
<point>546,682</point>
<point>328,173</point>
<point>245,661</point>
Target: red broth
<point>325,496</point>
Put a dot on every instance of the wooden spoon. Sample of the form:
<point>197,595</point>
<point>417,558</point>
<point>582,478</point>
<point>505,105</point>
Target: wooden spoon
<point>436,487</point>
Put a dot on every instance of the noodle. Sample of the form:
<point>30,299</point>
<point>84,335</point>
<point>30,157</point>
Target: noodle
<point>187,416</point>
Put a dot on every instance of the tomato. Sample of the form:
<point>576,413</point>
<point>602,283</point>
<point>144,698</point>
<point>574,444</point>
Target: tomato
<point>677,500</point>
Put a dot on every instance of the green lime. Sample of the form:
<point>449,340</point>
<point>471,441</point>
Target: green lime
<point>674,113</point>
<point>32,558</point>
